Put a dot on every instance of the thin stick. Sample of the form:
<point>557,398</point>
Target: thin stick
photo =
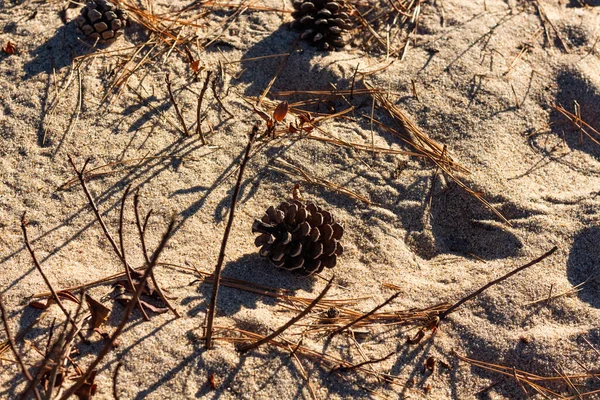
<point>367,315</point>
<point>63,348</point>
<point>198,110</point>
<point>120,253</point>
<point>142,231</point>
<point>362,364</point>
<point>122,246</point>
<point>181,120</point>
<point>494,282</point>
<point>353,82</point>
<point>218,268</point>
<point>41,271</point>
<point>14,348</point>
<point>80,176</point>
<point>127,313</point>
<point>114,386</point>
<point>218,99</point>
<point>303,372</point>
<point>291,322</point>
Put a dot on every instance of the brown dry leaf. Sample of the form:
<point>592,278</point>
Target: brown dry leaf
<point>99,311</point>
<point>195,65</point>
<point>64,295</point>
<point>154,309</point>
<point>125,298</point>
<point>39,305</point>
<point>212,381</point>
<point>10,48</point>
<point>280,111</point>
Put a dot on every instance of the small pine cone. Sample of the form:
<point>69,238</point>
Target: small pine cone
<point>101,20</point>
<point>300,238</point>
<point>322,22</point>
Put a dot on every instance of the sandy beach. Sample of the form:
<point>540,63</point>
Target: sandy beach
<point>454,141</point>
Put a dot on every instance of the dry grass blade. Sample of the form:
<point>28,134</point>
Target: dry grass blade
<point>579,123</point>
<point>177,111</point>
<point>199,108</point>
<point>219,4</point>
<point>362,147</point>
<point>530,379</point>
<point>119,251</point>
<point>5,346</point>
<point>331,93</point>
<point>291,322</point>
<point>366,315</point>
<point>566,293</point>
<point>420,140</point>
<point>290,169</point>
<point>122,247</point>
<point>95,172</point>
<point>207,278</point>
<point>416,317</point>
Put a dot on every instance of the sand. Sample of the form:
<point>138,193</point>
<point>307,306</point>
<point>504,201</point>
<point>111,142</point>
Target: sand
<point>492,108</point>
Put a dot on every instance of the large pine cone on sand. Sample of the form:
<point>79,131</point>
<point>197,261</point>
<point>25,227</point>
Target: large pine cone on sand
<point>322,22</point>
<point>101,20</point>
<point>300,238</point>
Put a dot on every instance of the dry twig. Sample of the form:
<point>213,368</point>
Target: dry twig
<point>217,274</point>
<point>46,280</point>
<point>130,305</point>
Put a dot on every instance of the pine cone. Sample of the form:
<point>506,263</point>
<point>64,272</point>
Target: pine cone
<point>300,238</point>
<point>322,22</point>
<point>101,20</point>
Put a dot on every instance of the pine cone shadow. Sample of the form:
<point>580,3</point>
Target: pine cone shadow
<point>298,73</point>
<point>251,268</point>
<point>575,86</point>
<point>461,224</point>
<point>583,265</point>
<point>56,53</point>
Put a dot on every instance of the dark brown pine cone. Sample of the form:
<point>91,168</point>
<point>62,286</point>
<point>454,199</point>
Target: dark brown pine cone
<point>322,22</point>
<point>101,20</point>
<point>300,238</point>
